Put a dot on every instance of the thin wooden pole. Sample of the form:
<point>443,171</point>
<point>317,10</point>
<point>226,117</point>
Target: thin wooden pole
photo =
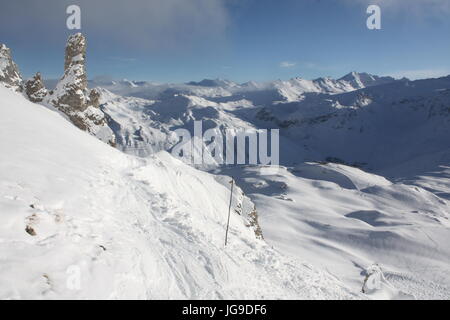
<point>229,211</point>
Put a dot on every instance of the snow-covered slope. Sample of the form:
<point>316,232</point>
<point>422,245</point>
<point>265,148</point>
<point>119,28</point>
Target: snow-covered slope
<point>394,213</point>
<point>79,219</point>
<point>345,220</point>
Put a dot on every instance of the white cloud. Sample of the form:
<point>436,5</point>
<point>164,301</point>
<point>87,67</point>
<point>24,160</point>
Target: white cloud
<point>421,73</point>
<point>287,64</point>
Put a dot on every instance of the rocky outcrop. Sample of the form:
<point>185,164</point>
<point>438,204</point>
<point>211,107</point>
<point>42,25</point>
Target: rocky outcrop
<point>71,93</point>
<point>35,89</point>
<point>72,96</point>
<point>9,72</point>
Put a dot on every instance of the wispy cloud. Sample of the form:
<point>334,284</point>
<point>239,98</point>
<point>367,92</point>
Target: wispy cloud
<point>288,64</point>
<point>421,73</point>
<point>154,24</point>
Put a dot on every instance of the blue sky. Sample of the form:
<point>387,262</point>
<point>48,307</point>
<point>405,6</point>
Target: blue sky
<point>241,40</point>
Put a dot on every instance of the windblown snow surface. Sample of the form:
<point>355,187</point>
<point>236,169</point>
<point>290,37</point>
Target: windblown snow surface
<point>129,227</point>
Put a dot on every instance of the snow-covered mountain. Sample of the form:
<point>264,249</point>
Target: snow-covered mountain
<point>354,126</point>
<point>279,90</point>
<point>364,80</point>
<point>143,115</point>
<point>405,119</point>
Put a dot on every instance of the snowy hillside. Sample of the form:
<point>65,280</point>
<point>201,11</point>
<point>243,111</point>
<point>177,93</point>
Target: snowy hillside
<point>392,211</point>
<point>80,219</point>
<point>344,219</point>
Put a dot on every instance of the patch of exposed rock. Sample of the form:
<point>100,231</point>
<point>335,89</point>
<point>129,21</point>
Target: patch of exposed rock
<point>9,72</point>
<point>35,89</point>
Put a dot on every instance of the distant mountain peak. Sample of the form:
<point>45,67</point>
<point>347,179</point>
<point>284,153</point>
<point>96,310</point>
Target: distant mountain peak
<point>361,80</point>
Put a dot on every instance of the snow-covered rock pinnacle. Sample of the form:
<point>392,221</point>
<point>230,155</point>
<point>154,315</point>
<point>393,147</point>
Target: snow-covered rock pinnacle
<point>9,72</point>
<point>35,89</point>
<point>72,96</point>
<point>71,93</point>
